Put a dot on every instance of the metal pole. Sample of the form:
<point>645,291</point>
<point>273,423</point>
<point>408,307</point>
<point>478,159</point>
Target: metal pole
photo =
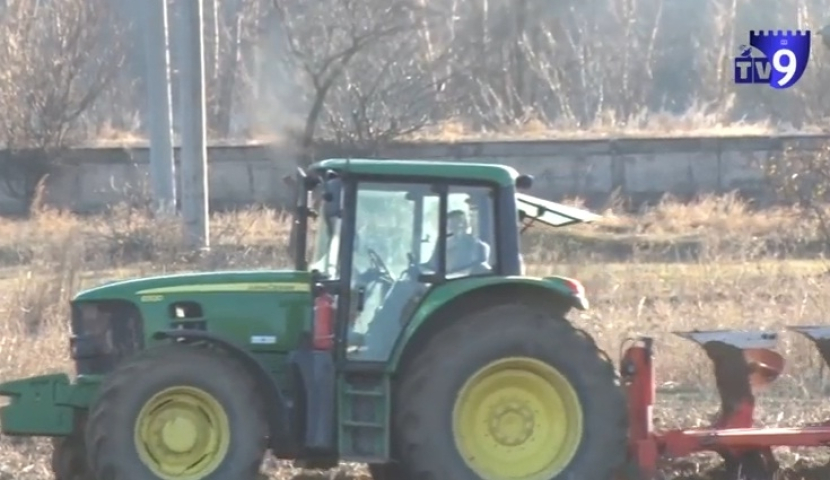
<point>194,148</point>
<point>162,167</point>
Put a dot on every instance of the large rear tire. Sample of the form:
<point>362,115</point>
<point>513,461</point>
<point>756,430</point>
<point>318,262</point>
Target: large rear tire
<point>177,413</point>
<point>510,393</point>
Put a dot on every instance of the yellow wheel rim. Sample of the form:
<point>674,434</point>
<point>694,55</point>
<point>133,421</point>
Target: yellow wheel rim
<point>182,433</point>
<point>517,419</point>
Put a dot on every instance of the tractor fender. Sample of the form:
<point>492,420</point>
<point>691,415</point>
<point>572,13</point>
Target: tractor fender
<point>314,371</point>
<point>279,408</point>
<point>479,292</point>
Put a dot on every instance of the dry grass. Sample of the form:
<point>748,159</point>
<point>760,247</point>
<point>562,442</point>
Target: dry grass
<point>711,264</point>
<point>698,121</point>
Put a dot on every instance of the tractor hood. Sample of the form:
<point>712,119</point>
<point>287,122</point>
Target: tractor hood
<point>203,282</point>
<point>551,213</point>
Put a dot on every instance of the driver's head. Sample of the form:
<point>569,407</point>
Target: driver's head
<point>457,223</point>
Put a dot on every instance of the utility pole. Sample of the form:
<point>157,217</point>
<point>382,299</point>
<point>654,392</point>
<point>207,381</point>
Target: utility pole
<point>194,148</point>
<point>162,167</point>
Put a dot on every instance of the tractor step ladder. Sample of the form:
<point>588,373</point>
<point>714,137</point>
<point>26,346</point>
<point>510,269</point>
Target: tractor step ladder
<point>364,416</point>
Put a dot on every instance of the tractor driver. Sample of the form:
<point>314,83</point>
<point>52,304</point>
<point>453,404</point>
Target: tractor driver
<point>465,251</point>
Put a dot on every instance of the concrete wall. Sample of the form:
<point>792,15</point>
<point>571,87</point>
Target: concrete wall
<point>641,168</point>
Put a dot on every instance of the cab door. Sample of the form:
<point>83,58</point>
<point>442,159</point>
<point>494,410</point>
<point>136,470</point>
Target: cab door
<point>385,271</point>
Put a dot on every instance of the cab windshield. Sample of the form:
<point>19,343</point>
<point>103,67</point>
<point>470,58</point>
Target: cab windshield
<point>393,237</point>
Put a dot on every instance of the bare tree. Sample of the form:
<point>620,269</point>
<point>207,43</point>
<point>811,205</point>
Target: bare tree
<point>230,26</point>
<point>394,90</point>
<point>800,175</point>
<point>58,58</point>
<point>366,71</point>
<point>324,37</point>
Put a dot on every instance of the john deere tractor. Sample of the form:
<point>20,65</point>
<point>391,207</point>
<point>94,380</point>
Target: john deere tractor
<point>406,337</point>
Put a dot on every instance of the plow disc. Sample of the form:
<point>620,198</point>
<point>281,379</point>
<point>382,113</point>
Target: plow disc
<point>744,363</point>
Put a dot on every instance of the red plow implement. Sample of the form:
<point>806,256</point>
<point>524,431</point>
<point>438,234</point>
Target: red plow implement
<point>744,363</point>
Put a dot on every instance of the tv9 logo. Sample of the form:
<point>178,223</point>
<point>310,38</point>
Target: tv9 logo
<point>782,62</point>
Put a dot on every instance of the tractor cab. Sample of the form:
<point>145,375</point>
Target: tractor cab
<point>378,235</point>
<point>378,243</point>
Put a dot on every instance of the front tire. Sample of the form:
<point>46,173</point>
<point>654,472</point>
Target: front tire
<point>177,413</point>
<point>68,460</point>
<point>386,471</point>
<point>510,393</point>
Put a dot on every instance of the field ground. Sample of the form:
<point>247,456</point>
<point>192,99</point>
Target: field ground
<point>712,264</point>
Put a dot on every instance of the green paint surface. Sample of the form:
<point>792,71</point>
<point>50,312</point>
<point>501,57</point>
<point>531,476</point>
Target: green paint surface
<point>45,404</point>
<point>236,305</point>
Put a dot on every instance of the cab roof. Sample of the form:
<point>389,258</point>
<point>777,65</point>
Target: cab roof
<point>530,207</point>
<point>500,174</point>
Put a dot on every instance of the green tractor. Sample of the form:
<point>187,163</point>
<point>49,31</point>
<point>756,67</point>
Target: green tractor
<point>411,340</point>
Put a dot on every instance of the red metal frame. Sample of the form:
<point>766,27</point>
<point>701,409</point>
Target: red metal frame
<point>739,374</point>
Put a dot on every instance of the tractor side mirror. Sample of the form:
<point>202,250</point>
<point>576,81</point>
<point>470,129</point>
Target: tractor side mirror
<point>332,193</point>
<point>524,182</point>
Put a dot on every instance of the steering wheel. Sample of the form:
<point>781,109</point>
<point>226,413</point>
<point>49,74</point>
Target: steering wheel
<point>379,265</point>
